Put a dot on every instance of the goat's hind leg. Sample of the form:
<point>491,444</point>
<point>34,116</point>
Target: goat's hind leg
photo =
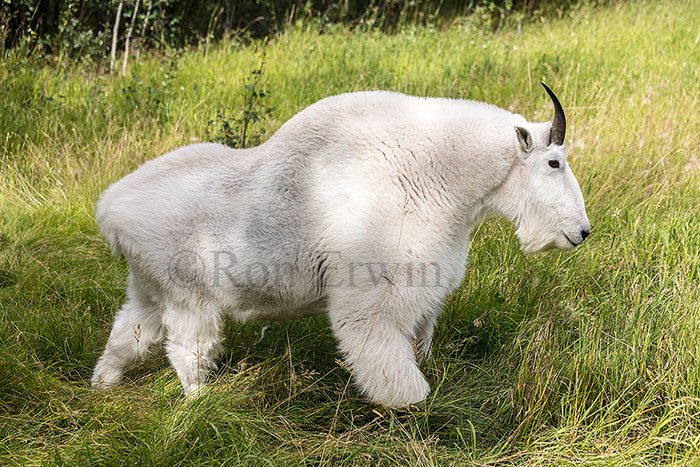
<point>193,343</point>
<point>137,329</point>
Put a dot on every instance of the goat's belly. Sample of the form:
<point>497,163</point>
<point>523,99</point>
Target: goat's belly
<point>255,306</point>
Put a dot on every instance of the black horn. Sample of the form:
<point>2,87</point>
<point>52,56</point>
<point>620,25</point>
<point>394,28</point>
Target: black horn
<point>556,136</point>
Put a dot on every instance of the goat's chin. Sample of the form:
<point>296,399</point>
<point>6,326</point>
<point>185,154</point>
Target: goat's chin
<point>565,245</point>
<point>531,247</point>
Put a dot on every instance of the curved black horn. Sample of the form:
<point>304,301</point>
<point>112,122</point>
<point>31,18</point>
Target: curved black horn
<point>556,136</point>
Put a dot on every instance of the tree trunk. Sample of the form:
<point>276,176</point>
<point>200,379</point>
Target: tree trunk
<point>143,28</point>
<point>128,36</point>
<point>115,35</point>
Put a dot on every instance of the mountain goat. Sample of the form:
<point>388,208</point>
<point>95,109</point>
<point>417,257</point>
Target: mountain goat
<point>361,206</point>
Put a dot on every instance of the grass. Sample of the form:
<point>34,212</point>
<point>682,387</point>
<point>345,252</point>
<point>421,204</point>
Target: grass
<point>589,357</point>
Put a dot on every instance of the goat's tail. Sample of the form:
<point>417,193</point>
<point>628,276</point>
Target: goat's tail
<point>107,218</point>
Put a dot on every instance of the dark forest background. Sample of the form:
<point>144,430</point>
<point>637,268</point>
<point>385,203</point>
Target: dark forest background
<point>86,27</point>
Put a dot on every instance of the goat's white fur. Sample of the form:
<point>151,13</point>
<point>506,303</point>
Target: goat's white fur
<point>342,211</point>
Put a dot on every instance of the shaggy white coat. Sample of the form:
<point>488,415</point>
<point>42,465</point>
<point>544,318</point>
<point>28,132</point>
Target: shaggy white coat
<point>361,206</point>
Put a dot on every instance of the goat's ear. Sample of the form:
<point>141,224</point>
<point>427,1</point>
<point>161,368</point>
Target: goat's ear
<point>524,139</point>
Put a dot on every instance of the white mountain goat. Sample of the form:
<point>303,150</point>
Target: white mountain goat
<point>361,206</point>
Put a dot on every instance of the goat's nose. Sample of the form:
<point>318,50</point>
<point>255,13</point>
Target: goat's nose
<point>584,234</point>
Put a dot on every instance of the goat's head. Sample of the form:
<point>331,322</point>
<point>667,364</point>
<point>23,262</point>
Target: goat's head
<point>544,198</point>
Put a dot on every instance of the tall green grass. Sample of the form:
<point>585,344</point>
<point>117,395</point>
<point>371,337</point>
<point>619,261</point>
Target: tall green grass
<point>590,356</point>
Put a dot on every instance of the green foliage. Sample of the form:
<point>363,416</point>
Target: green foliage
<point>74,27</point>
<point>589,357</point>
<point>237,132</point>
<point>83,28</point>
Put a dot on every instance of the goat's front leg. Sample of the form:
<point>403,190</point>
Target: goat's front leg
<point>376,342</point>
<point>424,337</point>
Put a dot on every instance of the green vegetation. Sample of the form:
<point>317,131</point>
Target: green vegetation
<point>590,356</point>
<point>86,28</point>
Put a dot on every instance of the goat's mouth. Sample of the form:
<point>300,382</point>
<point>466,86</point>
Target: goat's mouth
<point>570,241</point>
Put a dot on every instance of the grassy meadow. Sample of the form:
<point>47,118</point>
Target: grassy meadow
<point>587,357</point>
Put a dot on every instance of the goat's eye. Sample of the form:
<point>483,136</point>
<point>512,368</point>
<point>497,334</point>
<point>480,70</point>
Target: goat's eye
<point>554,164</point>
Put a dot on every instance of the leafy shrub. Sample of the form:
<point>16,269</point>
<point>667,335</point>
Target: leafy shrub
<point>238,131</point>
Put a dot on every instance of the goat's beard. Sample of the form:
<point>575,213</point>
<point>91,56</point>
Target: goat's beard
<point>536,240</point>
<point>538,246</point>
